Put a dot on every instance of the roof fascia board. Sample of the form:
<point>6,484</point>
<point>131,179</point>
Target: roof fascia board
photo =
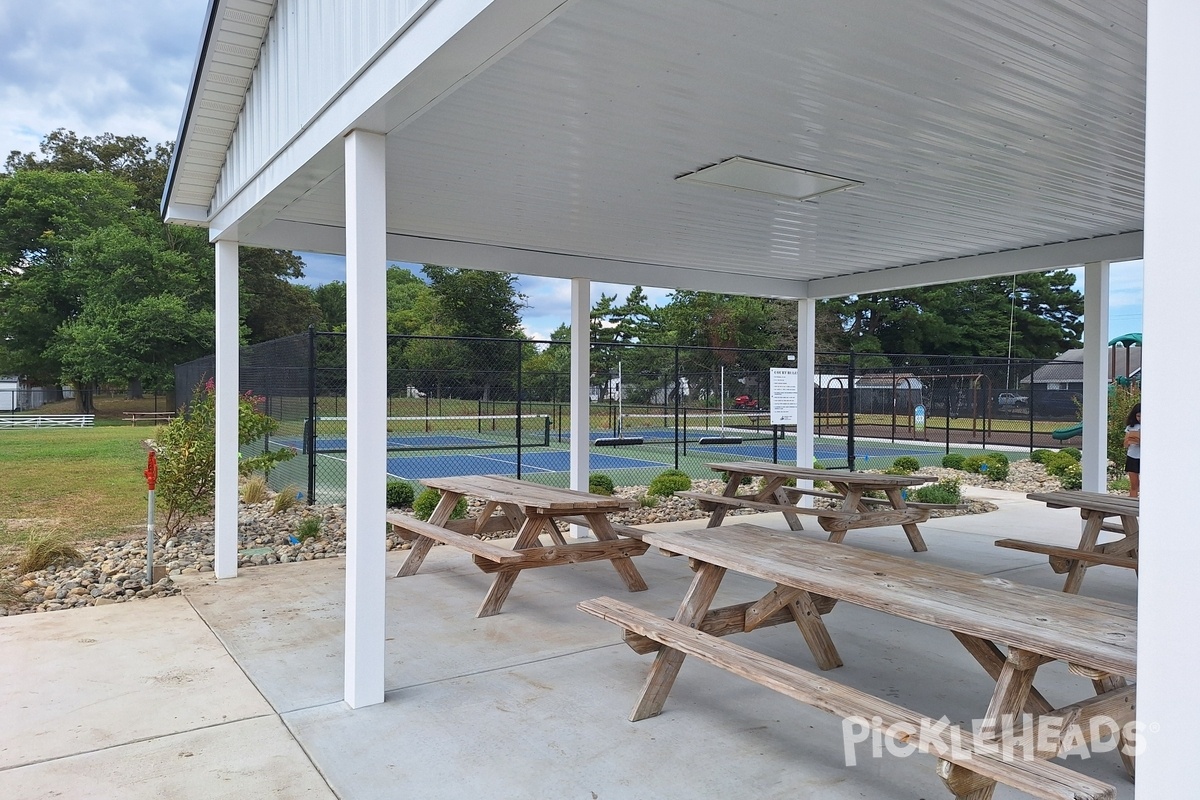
<point>440,50</point>
<point>199,71</point>
<point>306,237</point>
<point>1040,258</point>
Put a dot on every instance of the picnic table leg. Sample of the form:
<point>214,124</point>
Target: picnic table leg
<point>1009,700</point>
<point>668,661</point>
<point>423,544</point>
<point>851,501</point>
<point>1091,532</point>
<point>731,488</point>
<point>1125,748</point>
<point>910,528</point>
<point>623,564</point>
<point>531,529</point>
<point>773,492</point>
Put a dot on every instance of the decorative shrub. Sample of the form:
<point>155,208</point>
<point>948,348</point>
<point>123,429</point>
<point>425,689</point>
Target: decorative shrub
<point>187,454</point>
<point>399,494</point>
<point>997,466</point>
<point>1039,456</point>
<point>648,501</point>
<point>1072,476</point>
<point>972,463</point>
<point>953,460</point>
<point>600,484</point>
<point>906,465</point>
<point>1058,464</point>
<point>309,528</point>
<point>427,501</point>
<point>1074,453</point>
<point>669,482</point>
<point>993,465</point>
<point>946,491</point>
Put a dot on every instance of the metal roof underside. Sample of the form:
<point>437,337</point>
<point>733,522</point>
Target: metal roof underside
<point>975,126</point>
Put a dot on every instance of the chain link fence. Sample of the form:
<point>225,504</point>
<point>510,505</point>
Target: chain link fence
<point>502,406</point>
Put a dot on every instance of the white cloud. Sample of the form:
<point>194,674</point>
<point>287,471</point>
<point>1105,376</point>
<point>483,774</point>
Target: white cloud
<point>120,67</point>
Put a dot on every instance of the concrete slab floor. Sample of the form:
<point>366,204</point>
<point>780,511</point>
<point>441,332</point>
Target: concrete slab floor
<point>531,703</point>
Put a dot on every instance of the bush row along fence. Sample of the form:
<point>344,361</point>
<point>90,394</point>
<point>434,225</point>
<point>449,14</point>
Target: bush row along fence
<point>502,406</point>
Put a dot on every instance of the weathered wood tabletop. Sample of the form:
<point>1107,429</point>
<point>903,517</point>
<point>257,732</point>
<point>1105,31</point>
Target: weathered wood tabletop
<point>1097,639</point>
<point>854,512</point>
<point>1095,508</point>
<point>528,509</point>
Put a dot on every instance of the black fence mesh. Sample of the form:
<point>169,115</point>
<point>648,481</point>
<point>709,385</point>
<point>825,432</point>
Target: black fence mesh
<point>500,406</point>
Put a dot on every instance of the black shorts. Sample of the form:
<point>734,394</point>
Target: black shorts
<point>1133,465</point>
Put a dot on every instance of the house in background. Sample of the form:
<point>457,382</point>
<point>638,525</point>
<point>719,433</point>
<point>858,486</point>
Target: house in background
<point>1065,373</point>
<point>17,396</point>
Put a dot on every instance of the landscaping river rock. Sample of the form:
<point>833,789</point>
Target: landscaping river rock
<point>115,571</point>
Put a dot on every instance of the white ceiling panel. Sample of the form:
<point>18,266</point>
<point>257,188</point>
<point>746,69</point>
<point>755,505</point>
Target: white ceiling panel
<point>974,127</point>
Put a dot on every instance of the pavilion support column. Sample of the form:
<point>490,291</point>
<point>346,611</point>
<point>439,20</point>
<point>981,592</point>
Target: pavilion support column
<point>581,369</point>
<point>225,515</point>
<point>366,411</point>
<point>1167,589</point>
<point>1095,376</point>
<point>806,367</point>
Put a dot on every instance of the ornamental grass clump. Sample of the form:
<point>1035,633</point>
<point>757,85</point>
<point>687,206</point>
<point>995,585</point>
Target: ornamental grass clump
<point>44,550</point>
<point>254,490</point>
<point>287,497</point>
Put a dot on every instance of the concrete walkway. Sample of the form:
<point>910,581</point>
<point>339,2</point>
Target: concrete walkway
<point>234,689</point>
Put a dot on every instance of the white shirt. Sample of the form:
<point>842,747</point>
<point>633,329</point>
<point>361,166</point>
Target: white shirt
<point>1135,450</point>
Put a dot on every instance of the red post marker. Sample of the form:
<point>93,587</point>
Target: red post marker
<point>151,472</point>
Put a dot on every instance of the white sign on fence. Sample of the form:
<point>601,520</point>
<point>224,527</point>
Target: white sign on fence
<point>783,396</point>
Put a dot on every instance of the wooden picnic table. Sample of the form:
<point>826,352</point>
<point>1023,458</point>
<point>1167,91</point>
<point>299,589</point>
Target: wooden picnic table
<point>1096,508</point>
<point>529,509</point>
<point>157,417</point>
<point>1096,638</point>
<point>855,510</point>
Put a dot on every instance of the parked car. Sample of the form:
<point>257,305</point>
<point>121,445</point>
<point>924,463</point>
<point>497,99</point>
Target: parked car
<point>1011,400</point>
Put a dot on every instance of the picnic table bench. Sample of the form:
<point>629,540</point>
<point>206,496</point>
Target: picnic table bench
<point>530,510</point>
<point>856,511</point>
<point>157,417</point>
<point>1097,639</point>
<point>1096,508</point>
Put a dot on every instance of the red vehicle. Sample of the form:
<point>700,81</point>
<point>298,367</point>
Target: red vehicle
<point>744,401</point>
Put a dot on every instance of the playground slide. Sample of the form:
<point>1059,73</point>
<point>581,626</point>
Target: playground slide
<point>1062,434</point>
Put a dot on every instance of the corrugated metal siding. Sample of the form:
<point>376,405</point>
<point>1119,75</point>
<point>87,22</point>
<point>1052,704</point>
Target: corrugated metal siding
<point>310,51</point>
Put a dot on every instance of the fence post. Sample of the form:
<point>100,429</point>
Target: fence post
<point>519,399</point>
<point>310,432</point>
<point>678,383</point>
<point>851,408</point>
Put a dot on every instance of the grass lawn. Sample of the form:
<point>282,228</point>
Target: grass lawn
<point>85,483</point>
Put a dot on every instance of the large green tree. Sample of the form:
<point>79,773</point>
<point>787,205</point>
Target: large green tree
<point>1043,312</point>
<point>95,288</point>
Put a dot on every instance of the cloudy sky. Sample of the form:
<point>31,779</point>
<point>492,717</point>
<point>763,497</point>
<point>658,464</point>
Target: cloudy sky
<point>123,66</point>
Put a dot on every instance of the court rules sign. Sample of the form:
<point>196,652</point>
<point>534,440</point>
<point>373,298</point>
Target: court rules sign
<point>783,396</point>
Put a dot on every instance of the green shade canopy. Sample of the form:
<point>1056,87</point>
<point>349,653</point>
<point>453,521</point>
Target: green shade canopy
<point>1129,340</point>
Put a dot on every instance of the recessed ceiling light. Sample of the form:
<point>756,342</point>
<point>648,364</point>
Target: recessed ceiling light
<point>747,174</point>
